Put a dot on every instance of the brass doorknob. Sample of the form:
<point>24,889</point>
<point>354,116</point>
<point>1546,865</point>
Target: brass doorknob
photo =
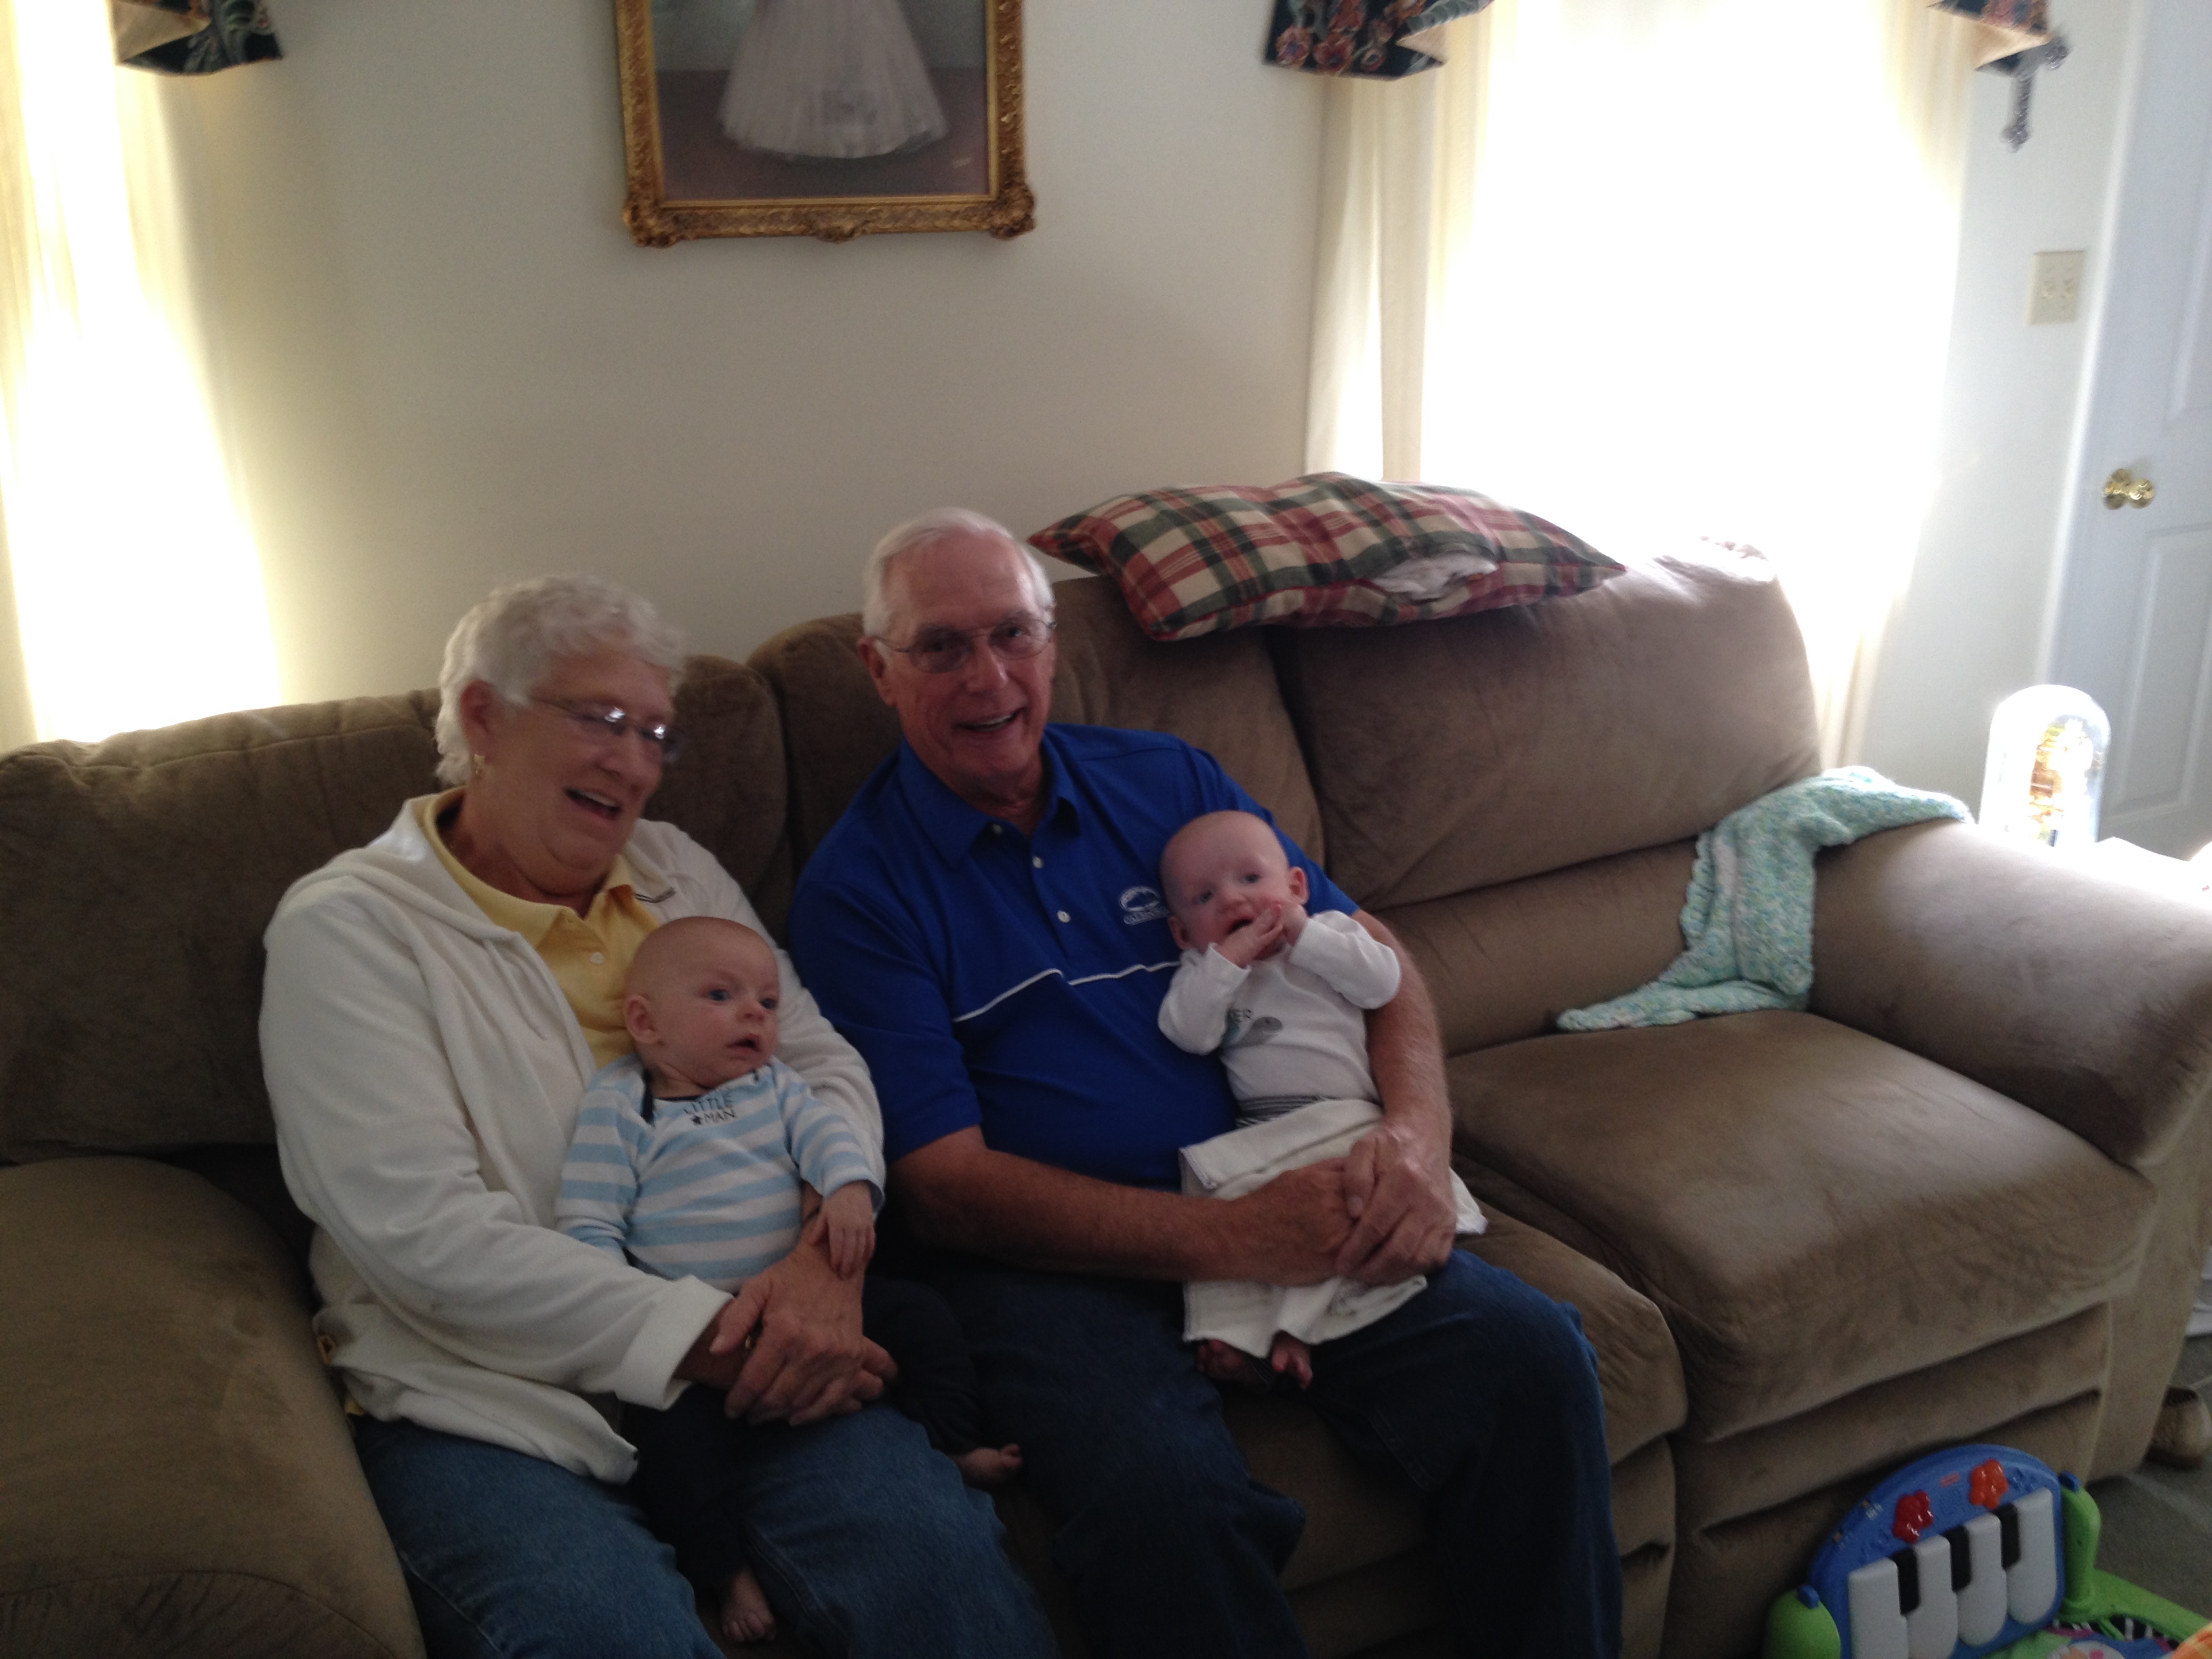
<point>2124,489</point>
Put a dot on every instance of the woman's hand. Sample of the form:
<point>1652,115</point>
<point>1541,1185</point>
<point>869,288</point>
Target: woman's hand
<point>788,1345</point>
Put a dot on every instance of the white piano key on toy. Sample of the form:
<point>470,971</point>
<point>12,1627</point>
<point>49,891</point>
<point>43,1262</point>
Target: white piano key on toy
<point>1877,1627</point>
<point>2032,1582</point>
<point>1931,1630</point>
<point>1981,1603</point>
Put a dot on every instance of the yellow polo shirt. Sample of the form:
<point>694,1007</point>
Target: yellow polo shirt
<point>589,955</point>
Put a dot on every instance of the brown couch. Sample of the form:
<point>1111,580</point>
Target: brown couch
<point>1963,1197</point>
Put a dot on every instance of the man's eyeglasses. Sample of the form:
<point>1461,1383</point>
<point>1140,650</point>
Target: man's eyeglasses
<point>605,728</point>
<point>942,650</point>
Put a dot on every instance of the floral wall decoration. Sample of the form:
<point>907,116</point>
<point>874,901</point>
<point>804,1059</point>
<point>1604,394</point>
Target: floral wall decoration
<point>190,37</point>
<point>2016,38</point>
<point>1389,39</point>
<point>1379,39</point>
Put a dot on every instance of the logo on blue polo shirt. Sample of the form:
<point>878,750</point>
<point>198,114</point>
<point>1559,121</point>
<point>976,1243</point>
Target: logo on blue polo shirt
<point>1141,905</point>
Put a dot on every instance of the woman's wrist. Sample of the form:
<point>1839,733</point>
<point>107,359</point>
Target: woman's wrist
<point>701,1364</point>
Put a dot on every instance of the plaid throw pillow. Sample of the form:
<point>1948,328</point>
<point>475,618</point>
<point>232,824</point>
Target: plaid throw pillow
<point>1325,550</point>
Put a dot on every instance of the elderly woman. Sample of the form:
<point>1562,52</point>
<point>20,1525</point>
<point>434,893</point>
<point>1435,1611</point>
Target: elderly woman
<point>435,1003</point>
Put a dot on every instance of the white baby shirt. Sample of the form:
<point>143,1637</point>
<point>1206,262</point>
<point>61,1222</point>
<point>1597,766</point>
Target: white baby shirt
<point>1290,1028</point>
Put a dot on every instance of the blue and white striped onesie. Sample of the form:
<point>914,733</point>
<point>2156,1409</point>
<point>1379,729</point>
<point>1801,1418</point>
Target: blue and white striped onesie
<point>703,1188</point>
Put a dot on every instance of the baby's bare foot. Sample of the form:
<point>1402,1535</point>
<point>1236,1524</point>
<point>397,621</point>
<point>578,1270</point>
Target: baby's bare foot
<point>746,1615</point>
<point>1292,1358</point>
<point>1220,1363</point>
<point>985,1467</point>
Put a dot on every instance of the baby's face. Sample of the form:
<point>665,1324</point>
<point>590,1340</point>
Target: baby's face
<point>711,1012</point>
<point>1223,877</point>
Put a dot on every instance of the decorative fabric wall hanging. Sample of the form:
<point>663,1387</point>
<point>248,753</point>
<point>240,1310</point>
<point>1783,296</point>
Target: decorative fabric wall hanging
<point>190,37</point>
<point>1376,39</point>
<point>2015,39</point>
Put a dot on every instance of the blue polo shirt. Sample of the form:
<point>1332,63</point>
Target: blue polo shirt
<point>1014,981</point>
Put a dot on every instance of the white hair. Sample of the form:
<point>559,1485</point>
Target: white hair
<point>917,536</point>
<point>512,636</point>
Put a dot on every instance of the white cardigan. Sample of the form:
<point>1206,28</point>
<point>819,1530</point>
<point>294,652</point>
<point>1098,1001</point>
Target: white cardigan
<point>425,1070</point>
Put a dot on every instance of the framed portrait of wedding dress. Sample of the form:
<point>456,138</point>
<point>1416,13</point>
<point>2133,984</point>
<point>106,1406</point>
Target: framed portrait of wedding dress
<point>833,119</point>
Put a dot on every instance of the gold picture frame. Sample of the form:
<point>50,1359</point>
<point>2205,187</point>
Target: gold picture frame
<point>726,141</point>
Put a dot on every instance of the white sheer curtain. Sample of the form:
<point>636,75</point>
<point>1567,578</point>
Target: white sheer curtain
<point>1654,268</point>
<point>135,590</point>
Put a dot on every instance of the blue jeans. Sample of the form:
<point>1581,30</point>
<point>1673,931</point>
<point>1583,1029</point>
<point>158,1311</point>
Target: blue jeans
<point>1479,1397</point>
<point>865,1539</point>
<point>689,1457</point>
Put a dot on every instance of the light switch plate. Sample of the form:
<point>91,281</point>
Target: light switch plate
<point>2054,293</point>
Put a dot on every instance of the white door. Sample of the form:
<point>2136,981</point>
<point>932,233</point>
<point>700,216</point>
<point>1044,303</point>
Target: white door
<point>2134,628</point>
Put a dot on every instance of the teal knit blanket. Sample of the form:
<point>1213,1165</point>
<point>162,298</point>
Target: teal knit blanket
<point>1747,923</point>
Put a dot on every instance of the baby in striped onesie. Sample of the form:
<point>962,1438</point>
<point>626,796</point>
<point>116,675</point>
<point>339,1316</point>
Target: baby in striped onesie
<point>703,1156</point>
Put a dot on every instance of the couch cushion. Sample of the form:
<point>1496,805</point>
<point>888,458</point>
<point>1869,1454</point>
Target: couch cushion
<point>1219,694</point>
<point>1325,550</point>
<point>1505,961</point>
<point>143,870</point>
<point>1880,1425</point>
<point>1637,1369</point>
<point>1811,1209</point>
<point>175,1476</point>
<point>1644,1528</point>
<point>725,787</point>
<point>1484,749</point>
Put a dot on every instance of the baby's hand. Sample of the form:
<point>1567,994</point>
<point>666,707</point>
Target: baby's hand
<point>1294,923</point>
<point>1263,939</point>
<point>850,1214</point>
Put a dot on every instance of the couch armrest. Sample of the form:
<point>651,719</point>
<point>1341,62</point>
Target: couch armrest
<point>2076,994</point>
<point>175,1475</point>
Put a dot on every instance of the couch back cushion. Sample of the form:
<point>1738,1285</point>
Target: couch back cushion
<point>144,869</point>
<point>1218,693</point>
<point>1461,753</point>
<point>725,787</point>
<point>1504,963</point>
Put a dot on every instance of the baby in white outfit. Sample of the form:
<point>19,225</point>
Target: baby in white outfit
<point>1284,996</point>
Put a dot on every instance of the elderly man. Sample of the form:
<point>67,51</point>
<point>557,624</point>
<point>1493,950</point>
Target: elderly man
<point>983,925</point>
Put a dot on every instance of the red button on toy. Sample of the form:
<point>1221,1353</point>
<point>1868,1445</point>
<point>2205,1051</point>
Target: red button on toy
<point>1915,1515</point>
<point>1987,1485</point>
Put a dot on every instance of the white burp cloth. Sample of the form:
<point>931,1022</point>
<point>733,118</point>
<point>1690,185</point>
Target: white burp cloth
<point>1245,1313</point>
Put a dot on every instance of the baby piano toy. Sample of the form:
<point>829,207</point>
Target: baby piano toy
<point>1974,1550</point>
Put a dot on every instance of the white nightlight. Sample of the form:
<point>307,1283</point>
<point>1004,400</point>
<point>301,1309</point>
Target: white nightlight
<point>2046,766</point>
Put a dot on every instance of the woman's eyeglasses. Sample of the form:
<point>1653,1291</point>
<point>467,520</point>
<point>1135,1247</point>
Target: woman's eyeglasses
<point>942,650</point>
<point>605,728</point>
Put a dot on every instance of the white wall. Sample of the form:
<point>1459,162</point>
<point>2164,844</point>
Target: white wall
<point>448,366</point>
<point>1970,630</point>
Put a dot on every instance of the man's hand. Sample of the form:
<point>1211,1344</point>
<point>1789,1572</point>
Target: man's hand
<point>961,1194</point>
<point>788,1345</point>
<point>1294,1229</point>
<point>850,1215</point>
<point>1397,1186</point>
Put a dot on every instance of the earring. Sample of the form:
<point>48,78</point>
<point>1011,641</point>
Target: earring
<point>477,765</point>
